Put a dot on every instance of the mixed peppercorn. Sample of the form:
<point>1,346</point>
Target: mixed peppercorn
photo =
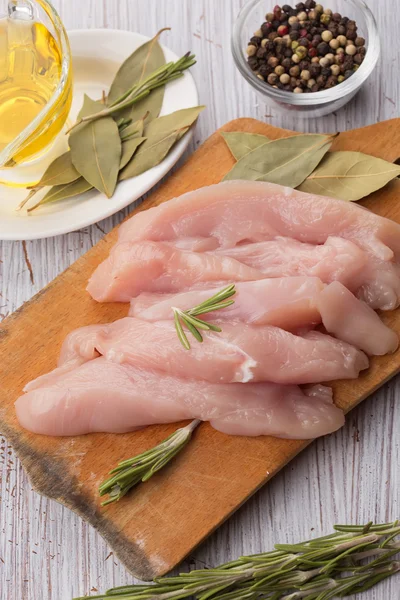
<point>305,49</point>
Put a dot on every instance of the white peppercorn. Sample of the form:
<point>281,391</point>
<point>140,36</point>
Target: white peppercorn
<point>279,70</point>
<point>330,57</point>
<point>251,50</point>
<point>327,35</point>
<point>334,44</point>
<point>296,59</point>
<point>342,40</point>
<point>324,62</point>
<point>311,83</point>
<point>319,8</point>
<point>258,33</point>
<point>335,70</point>
<point>351,50</point>
<point>293,20</point>
<point>305,74</point>
<point>284,78</point>
<point>298,90</point>
<point>302,16</point>
<point>328,11</point>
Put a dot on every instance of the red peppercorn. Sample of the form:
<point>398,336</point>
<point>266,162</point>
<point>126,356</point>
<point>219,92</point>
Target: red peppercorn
<point>312,52</point>
<point>303,32</point>
<point>277,10</point>
<point>283,30</point>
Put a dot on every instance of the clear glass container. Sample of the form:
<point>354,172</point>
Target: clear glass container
<point>314,104</point>
<point>33,42</point>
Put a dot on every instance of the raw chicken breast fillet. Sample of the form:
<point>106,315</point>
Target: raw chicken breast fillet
<point>375,281</point>
<point>290,303</point>
<point>241,353</point>
<point>105,396</point>
<point>133,268</point>
<point>234,212</point>
<point>157,267</point>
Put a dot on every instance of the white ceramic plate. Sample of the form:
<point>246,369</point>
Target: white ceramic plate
<point>97,54</point>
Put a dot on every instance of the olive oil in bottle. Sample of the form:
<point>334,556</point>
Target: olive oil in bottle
<point>30,70</point>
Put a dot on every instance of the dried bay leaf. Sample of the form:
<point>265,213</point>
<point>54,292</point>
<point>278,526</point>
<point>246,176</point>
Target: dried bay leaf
<point>153,154</point>
<point>63,192</point>
<point>349,175</point>
<point>129,148</point>
<point>161,134</point>
<point>240,143</point>
<point>96,149</point>
<point>60,171</point>
<point>139,65</point>
<point>287,161</point>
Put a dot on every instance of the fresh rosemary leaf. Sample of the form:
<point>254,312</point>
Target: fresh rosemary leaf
<point>189,319</point>
<point>142,467</point>
<point>283,575</point>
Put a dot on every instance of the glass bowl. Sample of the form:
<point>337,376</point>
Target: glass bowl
<point>313,104</point>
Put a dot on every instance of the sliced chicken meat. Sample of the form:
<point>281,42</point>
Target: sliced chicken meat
<point>234,212</point>
<point>287,302</point>
<point>133,268</point>
<point>104,396</point>
<point>241,353</point>
<point>290,303</point>
<point>373,280</point>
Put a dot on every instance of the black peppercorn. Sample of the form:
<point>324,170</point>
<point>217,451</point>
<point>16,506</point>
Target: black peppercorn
<point>304,64</point>
<point>273,79</point>
<point>309,4</point>
<point>266,28</point>
<point>286,63</point>
<point>314,31</point>
<point>362,51</point>
<point>261,53</point>
<point>255,40</point>
<point>315,70</point>
<point>344,20</point>
<point>323,48</point>
<point>272,36</point>
<point>276,24</point>
<point>288,53</point>
<point>336,17</point>
<point>286,8</point>
<point>304,42</point>
<point>253,62</point>
<point>358,58</point>
<point>348,74</point>
<point>321,80</point>
<point>295,26</point>
<point>325,72</point>
<point>351,25</point>
<point>351,35</point>
<point>265,70</point>
<point>331,81</point>
<point>294,35</point>
<point>341,30</point>
<point>300,6</point>
<point>315,88</point>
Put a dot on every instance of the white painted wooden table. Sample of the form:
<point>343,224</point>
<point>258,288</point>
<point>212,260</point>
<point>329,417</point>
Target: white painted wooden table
<point>46,551</point>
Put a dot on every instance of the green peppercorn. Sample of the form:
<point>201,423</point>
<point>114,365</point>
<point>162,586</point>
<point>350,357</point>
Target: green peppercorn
<point>294,45</point>
<point>319,8</point>
<point>325,19</point>
<point>301,52</point>
<point>340,78</point>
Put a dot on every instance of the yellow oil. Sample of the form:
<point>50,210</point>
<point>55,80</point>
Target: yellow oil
<point>30,71</point>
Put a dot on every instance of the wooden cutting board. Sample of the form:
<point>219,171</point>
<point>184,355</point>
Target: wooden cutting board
<point>156,526</point>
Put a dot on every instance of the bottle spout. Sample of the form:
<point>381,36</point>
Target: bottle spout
<point>21,9</point>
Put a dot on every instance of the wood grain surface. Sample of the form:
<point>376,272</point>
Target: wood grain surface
<point>48,552</point>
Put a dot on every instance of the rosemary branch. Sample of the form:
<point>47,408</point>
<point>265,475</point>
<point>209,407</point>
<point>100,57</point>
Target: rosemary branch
<point>140,468</point>
<point>332,566</point>
<point>161,76</point>
<point>195,325</point>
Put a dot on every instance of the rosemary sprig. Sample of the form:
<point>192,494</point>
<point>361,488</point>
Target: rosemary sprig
<point>328,567</point>
<point>165,74</point>
<point>140,468</point>
<point>195,325</point>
